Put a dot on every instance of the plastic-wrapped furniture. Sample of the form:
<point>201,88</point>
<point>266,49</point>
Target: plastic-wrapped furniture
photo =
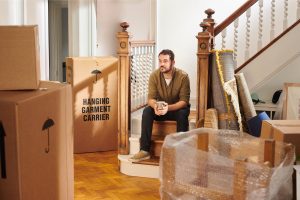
<point>220,164</point>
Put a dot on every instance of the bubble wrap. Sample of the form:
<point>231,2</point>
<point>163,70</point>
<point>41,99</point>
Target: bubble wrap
<point>231,165</point>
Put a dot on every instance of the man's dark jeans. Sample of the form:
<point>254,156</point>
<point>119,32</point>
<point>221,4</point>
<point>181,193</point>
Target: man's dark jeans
<point>180,116</point>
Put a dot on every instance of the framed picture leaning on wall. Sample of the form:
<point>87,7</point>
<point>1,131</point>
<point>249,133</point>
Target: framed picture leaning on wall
<point>291,103</point>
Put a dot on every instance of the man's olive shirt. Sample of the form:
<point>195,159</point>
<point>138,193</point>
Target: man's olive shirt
<point>177,90</point>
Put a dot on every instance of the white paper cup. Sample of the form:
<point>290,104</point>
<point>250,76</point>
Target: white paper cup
<point>160,105</point>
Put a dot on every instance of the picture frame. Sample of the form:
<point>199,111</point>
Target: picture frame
<point>291,102</point>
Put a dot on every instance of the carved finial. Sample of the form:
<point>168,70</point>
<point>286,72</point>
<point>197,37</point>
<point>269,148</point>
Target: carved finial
<point>209,13</point>
<point>124,25</point>
<point>204,26</point>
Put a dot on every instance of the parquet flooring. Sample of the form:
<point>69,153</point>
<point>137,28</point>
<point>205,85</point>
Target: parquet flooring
<point>97,177</point>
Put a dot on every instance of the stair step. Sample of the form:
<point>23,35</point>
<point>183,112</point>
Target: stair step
<point>156,145</point>
<point>164,127</point>
<point>154,160</point>
<point>134,169</point>
<point>148,168</point>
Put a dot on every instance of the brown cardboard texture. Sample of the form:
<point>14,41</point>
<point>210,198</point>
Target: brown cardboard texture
<point>95,94</point>
<point>37,143</point>
<point>19,58</point>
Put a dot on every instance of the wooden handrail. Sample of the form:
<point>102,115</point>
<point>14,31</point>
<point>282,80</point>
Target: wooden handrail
<point>233,16</point>
<point>267,46</point>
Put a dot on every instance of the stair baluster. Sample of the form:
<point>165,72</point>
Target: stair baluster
<point>260,25</point>
<point>286,9</point>
<point>298,9</point>
<point>142,64</point>
<point>235,41</point>
<point>272,33</point>
<point>247,51</point>
<point>224,33</point>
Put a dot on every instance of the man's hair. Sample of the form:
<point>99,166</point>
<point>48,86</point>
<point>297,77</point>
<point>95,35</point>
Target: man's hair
<point>168,52</point>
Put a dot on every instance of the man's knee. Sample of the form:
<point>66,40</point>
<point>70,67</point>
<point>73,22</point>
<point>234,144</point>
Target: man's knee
<point>148,111</point>
<point>183,114</point>
<point>182,120</point>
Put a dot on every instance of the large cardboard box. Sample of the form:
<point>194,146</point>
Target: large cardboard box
<point>36,139</point>
<point>95,94</point>
<point>19,58</point>
<point>287,131</point>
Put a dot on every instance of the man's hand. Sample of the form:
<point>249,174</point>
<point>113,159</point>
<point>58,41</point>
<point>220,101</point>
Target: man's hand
<point>165,109</point>
<point>156,111</point>
<point>161,111</point>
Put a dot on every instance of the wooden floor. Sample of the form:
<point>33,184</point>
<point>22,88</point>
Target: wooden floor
<point>97,177</point>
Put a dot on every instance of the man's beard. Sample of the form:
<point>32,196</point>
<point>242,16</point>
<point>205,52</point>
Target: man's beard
<point>166,70</point>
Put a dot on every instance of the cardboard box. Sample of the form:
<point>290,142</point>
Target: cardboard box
<point>36,139</point>
<point>95,94</point>
<point>287,131</point>
<point>19,58</point>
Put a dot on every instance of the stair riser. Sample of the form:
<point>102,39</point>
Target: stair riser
<point>134,143</point>
<point>156,148</point>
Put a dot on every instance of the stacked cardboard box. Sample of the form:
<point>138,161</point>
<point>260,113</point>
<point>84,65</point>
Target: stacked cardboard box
<point>287,131</point>
<point>37,138</point>
<point>36,123</point>
<point>95,89</point>
<point>19,58</point>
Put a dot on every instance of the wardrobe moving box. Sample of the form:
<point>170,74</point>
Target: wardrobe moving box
<point>19,58</point>
<point>36,139</point>
<point>287,131</point>
<point>95,94</point>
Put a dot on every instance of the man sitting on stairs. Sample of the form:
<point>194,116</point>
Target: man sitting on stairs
<point>172,86</point>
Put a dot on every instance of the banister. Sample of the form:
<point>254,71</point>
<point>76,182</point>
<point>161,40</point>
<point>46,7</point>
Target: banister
<point>267,46</point>
<point>233,16</point>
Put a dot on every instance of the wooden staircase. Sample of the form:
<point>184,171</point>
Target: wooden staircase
<point>160,130</point>
<point>206,42</point>
<point>150,167</point>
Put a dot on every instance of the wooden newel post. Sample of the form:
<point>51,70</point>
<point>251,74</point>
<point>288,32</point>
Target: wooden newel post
<point>123,90</point>
<point>211,28</point>
<point>203,52</point>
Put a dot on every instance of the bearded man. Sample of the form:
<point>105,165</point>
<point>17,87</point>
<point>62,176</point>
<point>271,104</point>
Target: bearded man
<point>168,99</point>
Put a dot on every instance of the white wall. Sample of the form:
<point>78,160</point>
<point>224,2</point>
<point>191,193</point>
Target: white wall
<point>28,12</point>
<point>110,13</point>
<point>178,24</point>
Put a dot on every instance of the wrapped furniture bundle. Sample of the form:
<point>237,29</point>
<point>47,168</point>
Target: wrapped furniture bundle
<point>225,164</point>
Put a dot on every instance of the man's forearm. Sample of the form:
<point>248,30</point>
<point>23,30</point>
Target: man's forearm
<point>151,102</point>
<point>177,106</point>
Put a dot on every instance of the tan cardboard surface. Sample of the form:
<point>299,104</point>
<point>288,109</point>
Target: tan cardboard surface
<point>95,102</point>
<point>19,58</point>
<point>37,169</point>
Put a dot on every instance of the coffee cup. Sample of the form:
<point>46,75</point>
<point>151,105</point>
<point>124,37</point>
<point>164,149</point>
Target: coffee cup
<point>160,105</point>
